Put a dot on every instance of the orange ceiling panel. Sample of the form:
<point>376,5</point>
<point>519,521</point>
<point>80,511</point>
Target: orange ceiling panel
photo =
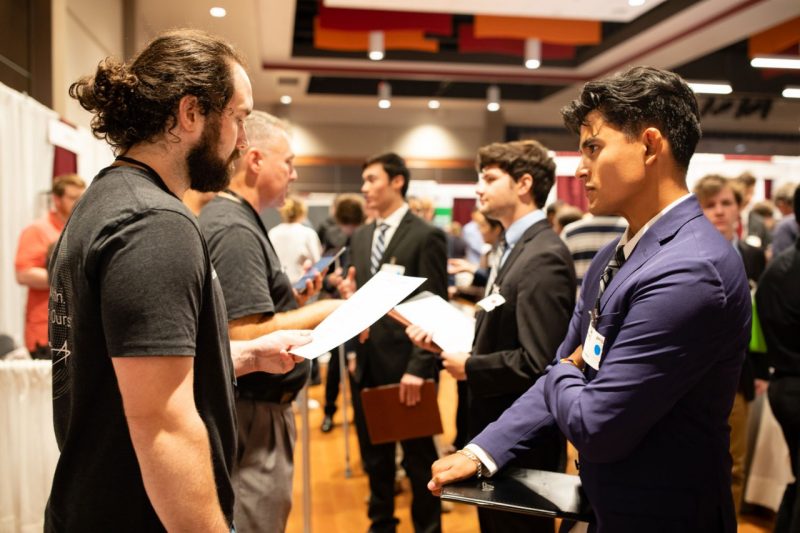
<point>557,31</point>
<point>776,39</point>
<point>358,41</point>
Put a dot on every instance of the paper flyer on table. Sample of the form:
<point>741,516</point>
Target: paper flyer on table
<point>360,311</point>
<point>452,330</point>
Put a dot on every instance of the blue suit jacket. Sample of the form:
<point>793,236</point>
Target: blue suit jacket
<point>651,425</point>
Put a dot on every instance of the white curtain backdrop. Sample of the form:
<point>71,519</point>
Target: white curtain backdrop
<point>28,451</point>
<point>26,171</point>
<point>26,174</point>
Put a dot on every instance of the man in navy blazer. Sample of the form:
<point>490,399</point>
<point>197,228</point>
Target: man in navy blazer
<point>644,381</point>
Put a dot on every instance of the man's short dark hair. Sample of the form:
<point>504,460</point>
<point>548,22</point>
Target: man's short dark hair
<point>348,210</point>
<point>393,165</point>
<point>137,101</point>
<point>518,158</point>
<point>639,98</point>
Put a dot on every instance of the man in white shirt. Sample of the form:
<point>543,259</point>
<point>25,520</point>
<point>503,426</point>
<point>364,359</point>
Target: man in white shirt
<point>397,242</point>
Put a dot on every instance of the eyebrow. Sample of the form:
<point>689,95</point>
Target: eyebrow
<point>588,141</point>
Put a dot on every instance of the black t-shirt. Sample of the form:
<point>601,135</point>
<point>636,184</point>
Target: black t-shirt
<point>130,277</point>
<point>253,283</point>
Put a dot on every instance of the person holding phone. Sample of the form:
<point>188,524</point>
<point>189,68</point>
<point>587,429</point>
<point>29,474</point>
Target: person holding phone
<point>260,299</point>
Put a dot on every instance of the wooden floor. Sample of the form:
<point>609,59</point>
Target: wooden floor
<point>339,502</point>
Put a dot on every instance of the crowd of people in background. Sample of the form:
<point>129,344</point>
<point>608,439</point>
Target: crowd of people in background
<point>234,306</point>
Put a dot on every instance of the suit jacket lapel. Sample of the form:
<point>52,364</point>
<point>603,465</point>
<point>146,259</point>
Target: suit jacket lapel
<point>529,234</point>
<point>399,235</point>
<point>362,261</point>
<point>661,232</point>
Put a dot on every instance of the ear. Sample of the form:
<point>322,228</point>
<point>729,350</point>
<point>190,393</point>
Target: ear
<point>253,160</point>
<point>190,118</point>
<point>654,143</point>
<point>524,185</point>
<point>397,182</point>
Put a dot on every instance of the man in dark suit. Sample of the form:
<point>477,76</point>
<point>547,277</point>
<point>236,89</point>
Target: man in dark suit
<point>721,200</point>
<point>402,243</point>
<point>534,280</point>
<point>644,381</point>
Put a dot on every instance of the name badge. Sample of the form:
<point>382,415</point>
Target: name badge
<point>491,302</point>
<point>593,348</point>
<point>393,269</point>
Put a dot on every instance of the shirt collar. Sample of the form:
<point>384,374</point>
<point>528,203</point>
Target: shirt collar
<point>628,244</point>
<point>394,219</point>
<point>517,228</point>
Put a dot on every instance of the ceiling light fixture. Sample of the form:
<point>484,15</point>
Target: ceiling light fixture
<point>791,92</point>
<point>286,99</point>
<point>218,12</point>
<point>384,95</point>
<point>533,53</point>
<point>434,104</point>
<point>775,62</point>
<point>376,45</point>
<point>710,87</point>
<point>636,3</point>
<point>493,98</point>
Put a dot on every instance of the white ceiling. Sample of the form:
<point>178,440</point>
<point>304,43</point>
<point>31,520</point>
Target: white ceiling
<point>607,10</point>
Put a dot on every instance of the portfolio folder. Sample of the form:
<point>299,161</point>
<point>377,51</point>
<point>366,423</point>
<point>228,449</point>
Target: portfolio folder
<point>521,490</point>
<point>388,420</point>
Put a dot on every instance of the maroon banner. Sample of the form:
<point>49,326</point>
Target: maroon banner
<point>374,20</point>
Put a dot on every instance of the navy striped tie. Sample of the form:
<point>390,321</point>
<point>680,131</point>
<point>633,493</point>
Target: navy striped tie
<point>611,270</point>
<point>378,247</point>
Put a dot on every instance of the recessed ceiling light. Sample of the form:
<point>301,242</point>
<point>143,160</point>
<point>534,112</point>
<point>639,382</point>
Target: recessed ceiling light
<point>434,104</point>
<point>286,99</point>
<point>775,62</point>
<point>636,3</point>
<point>710,87</point>
<point>218,12</point>
<point>791,92</point>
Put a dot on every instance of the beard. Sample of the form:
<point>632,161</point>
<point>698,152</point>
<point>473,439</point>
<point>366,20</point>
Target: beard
<point>207,171</point>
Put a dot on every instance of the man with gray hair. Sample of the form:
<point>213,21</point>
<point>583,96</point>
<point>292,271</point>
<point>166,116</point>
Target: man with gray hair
<point>260,299</point>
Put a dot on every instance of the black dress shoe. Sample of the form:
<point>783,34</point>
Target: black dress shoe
<point>327,423</point>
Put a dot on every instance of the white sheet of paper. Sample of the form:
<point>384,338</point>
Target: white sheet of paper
<point>360,311</point>
<point>452,330</point>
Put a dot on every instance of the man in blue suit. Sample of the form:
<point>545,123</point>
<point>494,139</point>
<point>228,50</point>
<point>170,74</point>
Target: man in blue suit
<point>644,381</point>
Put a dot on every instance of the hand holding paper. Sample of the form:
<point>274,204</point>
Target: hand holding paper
<point>421,338</point>
<point>361,310</point>
<point>450,329</point>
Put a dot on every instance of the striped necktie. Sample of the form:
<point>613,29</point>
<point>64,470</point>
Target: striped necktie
<point>611,270</point>
<point>378,247</point>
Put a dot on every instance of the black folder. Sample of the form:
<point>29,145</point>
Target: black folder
<point>519,490</point>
